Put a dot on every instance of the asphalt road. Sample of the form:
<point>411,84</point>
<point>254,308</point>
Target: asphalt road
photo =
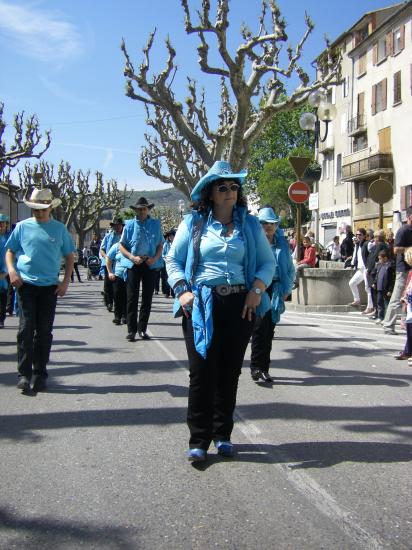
<point>324,455</point>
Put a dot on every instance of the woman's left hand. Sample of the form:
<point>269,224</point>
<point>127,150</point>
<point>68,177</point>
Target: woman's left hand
<point>251,303</point>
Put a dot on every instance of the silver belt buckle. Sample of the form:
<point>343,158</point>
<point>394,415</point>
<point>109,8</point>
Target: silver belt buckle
<point>223,290</point>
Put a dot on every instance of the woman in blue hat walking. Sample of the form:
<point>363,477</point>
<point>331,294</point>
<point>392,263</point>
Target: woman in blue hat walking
<point>219,266</point>
<point>278,291</point>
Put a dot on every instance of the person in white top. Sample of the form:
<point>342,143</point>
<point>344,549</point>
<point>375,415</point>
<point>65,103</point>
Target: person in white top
<point>360,257</point>
<point>334,249</point>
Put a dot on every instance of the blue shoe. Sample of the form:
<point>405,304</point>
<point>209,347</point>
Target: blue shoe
<point>225,448</point>
<point>196,455</point>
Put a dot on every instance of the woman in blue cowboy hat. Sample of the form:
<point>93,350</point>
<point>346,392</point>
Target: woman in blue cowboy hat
<point>219,266</point>
<point>279,290</point>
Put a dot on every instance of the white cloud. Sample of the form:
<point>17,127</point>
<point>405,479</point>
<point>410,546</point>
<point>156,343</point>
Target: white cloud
<point>39,34</point>
<point>108,159</point>
<point>64,94</point>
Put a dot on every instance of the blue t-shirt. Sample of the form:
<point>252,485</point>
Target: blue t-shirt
<point>115,255</point>
<point>108,241</point>
<point>142,238</point>
<point>39,248</point>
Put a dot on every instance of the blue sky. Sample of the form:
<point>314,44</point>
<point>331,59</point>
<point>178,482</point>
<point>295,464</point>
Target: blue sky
<point>62,61</point>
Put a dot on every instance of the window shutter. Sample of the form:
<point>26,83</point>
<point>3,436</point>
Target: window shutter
<point>389,44</point>
<point>375,54</point>
<point>384,84</point>
<point>402,41</point>
<point>403,198</point>
<point>374,99</point>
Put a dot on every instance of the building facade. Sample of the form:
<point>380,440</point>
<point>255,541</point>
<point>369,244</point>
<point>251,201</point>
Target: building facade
<point>370,138</point>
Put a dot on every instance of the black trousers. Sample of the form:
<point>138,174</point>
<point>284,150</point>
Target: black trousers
<point>262,340</point>
<point>3,303</point>
<point>119,298</point>
<point>75,269</point>
<point>10,297</point>
<point>136,275</point>
<point>214,380</point>
<point>382,303</point>
<point>37,306</point>
<point>107,289</point>
<point>166,290</point>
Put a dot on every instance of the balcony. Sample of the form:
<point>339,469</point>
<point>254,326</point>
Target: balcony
<point>329,143</point>
<point>357,125</point>
<point>368,168</point>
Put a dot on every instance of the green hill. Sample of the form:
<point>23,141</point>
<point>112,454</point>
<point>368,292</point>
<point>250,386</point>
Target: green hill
<point>163,197</point>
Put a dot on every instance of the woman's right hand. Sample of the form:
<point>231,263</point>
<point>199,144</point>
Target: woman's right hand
<point>186,301</point>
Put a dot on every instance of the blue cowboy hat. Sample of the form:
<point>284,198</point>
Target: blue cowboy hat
<point>267,214</point>
<point>219,171</point>
<point>4,218</point>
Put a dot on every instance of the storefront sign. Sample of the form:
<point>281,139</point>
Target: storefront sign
<point>335,214</point>
<point>313,201</point>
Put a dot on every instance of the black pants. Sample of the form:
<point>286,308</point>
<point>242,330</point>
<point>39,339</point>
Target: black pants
<point>3,304</point>
<point>10,297</point>
<point>382,302</point>
<point>37,306</point>
<point>119,297</point>
<point>408,344</point>
<point>75,269</point>
<point>107,289</point>
<point>262,340</point>
<point>166,290</point>
<point>214,380</point>
<point>157,280</point>
<point>136,275</point>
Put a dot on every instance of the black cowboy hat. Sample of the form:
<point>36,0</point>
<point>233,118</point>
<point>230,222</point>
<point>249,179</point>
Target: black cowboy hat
<point>170,232</point>
<point>142,203</point>
<point>116,221</point>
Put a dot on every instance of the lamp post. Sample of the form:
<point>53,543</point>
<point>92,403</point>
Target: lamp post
<point>181,207</point>
<point>310,122</point>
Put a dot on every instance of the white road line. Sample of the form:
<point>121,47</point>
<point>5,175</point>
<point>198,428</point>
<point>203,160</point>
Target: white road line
<point>303,482</point>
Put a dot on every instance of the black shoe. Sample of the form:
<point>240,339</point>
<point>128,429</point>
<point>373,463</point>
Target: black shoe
<point>116,321</point>
<point>39,384</point>
<point>109,307</point>
<point>124,320</point>
<point>265,376</point>
<point>143,335</point>
<point>131,337</point>
<point>255,374</point>
<point>23,383</point>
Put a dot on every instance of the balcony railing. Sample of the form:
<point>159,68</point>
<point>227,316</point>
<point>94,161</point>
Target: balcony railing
<point>367,167</point>
<point>357,124</point>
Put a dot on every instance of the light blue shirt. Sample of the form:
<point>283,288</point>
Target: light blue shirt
<point>142,238</point>
<point>115,255</point>
<point>39,248</point>
<point>221,258</point>
<point>108,241</point>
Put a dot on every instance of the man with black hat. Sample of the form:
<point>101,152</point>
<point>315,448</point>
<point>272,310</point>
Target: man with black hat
<point>169,237</point>
<point>108,241</point>
<point>141,245</point>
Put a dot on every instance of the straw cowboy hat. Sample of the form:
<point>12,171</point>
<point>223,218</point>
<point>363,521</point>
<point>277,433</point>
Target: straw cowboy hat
<point>41,199</point>
<point>221,170</point>
<point>141,203</point>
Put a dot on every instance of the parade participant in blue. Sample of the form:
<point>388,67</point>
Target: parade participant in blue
<point>219,265</point>
<point>111,238</point>
<point>278,291</point>
<point>4,235</point>
<point>141,245</point>
<point>34,253</point>
<point>169,237</point>
<point>117,275</point>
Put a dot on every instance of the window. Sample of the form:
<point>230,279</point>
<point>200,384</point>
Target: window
<point>398,39</point>
<point>338,169</point>
<point>359,142</point>
<point>327,166</point>
<point>379,96</point>
<point>362,65</point>
<point>406,196</point>
<point>361,191</point>
<point>380,52</point>
<point>397,93</point>
<point>345,86</point>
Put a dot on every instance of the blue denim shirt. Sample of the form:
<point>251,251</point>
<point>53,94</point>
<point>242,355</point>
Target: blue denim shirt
<point>115,255</point>
<point>108,241</point>
<point>142,238</point>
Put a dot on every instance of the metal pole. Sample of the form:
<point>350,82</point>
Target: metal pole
<point>380,216</point>
<point>298,230</point>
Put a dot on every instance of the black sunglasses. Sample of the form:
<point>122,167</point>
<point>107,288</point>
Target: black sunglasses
<point>226,188</point>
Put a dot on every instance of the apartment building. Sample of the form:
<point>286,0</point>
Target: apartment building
<point>370,138</point>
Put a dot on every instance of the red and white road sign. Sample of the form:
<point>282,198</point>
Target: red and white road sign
<point>299,191</point>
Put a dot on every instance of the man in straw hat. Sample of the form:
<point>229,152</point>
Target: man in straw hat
<point>141,245</point>
<point>33,258</point>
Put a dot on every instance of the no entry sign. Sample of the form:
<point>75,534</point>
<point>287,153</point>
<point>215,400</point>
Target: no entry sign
<point>299,192</point>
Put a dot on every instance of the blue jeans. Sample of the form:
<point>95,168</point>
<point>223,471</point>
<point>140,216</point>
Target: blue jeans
<point>37,305</point>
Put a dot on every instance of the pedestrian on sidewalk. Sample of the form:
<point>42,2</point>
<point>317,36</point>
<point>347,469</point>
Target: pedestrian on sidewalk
<point>169,236</point>
<point>117,275</point>
<point>76,267</point>
<point>406,300</point>
<point>359,261</point>
<point>371,265</point>
<point>4,279</point>
<point>383,282</point>
<point>278,291</point>
<point>34,252</point>
<point>141,244</point>
<point>219,266</point>
<point>308,260</point>
<point>403,240</point>
<point>333,250</point>
<point>347,246</point>
<point>111,238</point>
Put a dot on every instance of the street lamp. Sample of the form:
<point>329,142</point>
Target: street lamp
<point>325,112</point>
<point>181,206</point>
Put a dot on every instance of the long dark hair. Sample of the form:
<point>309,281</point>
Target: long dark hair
<point>205,203</point>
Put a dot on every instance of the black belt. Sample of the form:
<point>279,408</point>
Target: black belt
<point>225,290</point>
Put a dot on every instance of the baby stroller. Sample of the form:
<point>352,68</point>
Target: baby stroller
<point>93,267</point>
